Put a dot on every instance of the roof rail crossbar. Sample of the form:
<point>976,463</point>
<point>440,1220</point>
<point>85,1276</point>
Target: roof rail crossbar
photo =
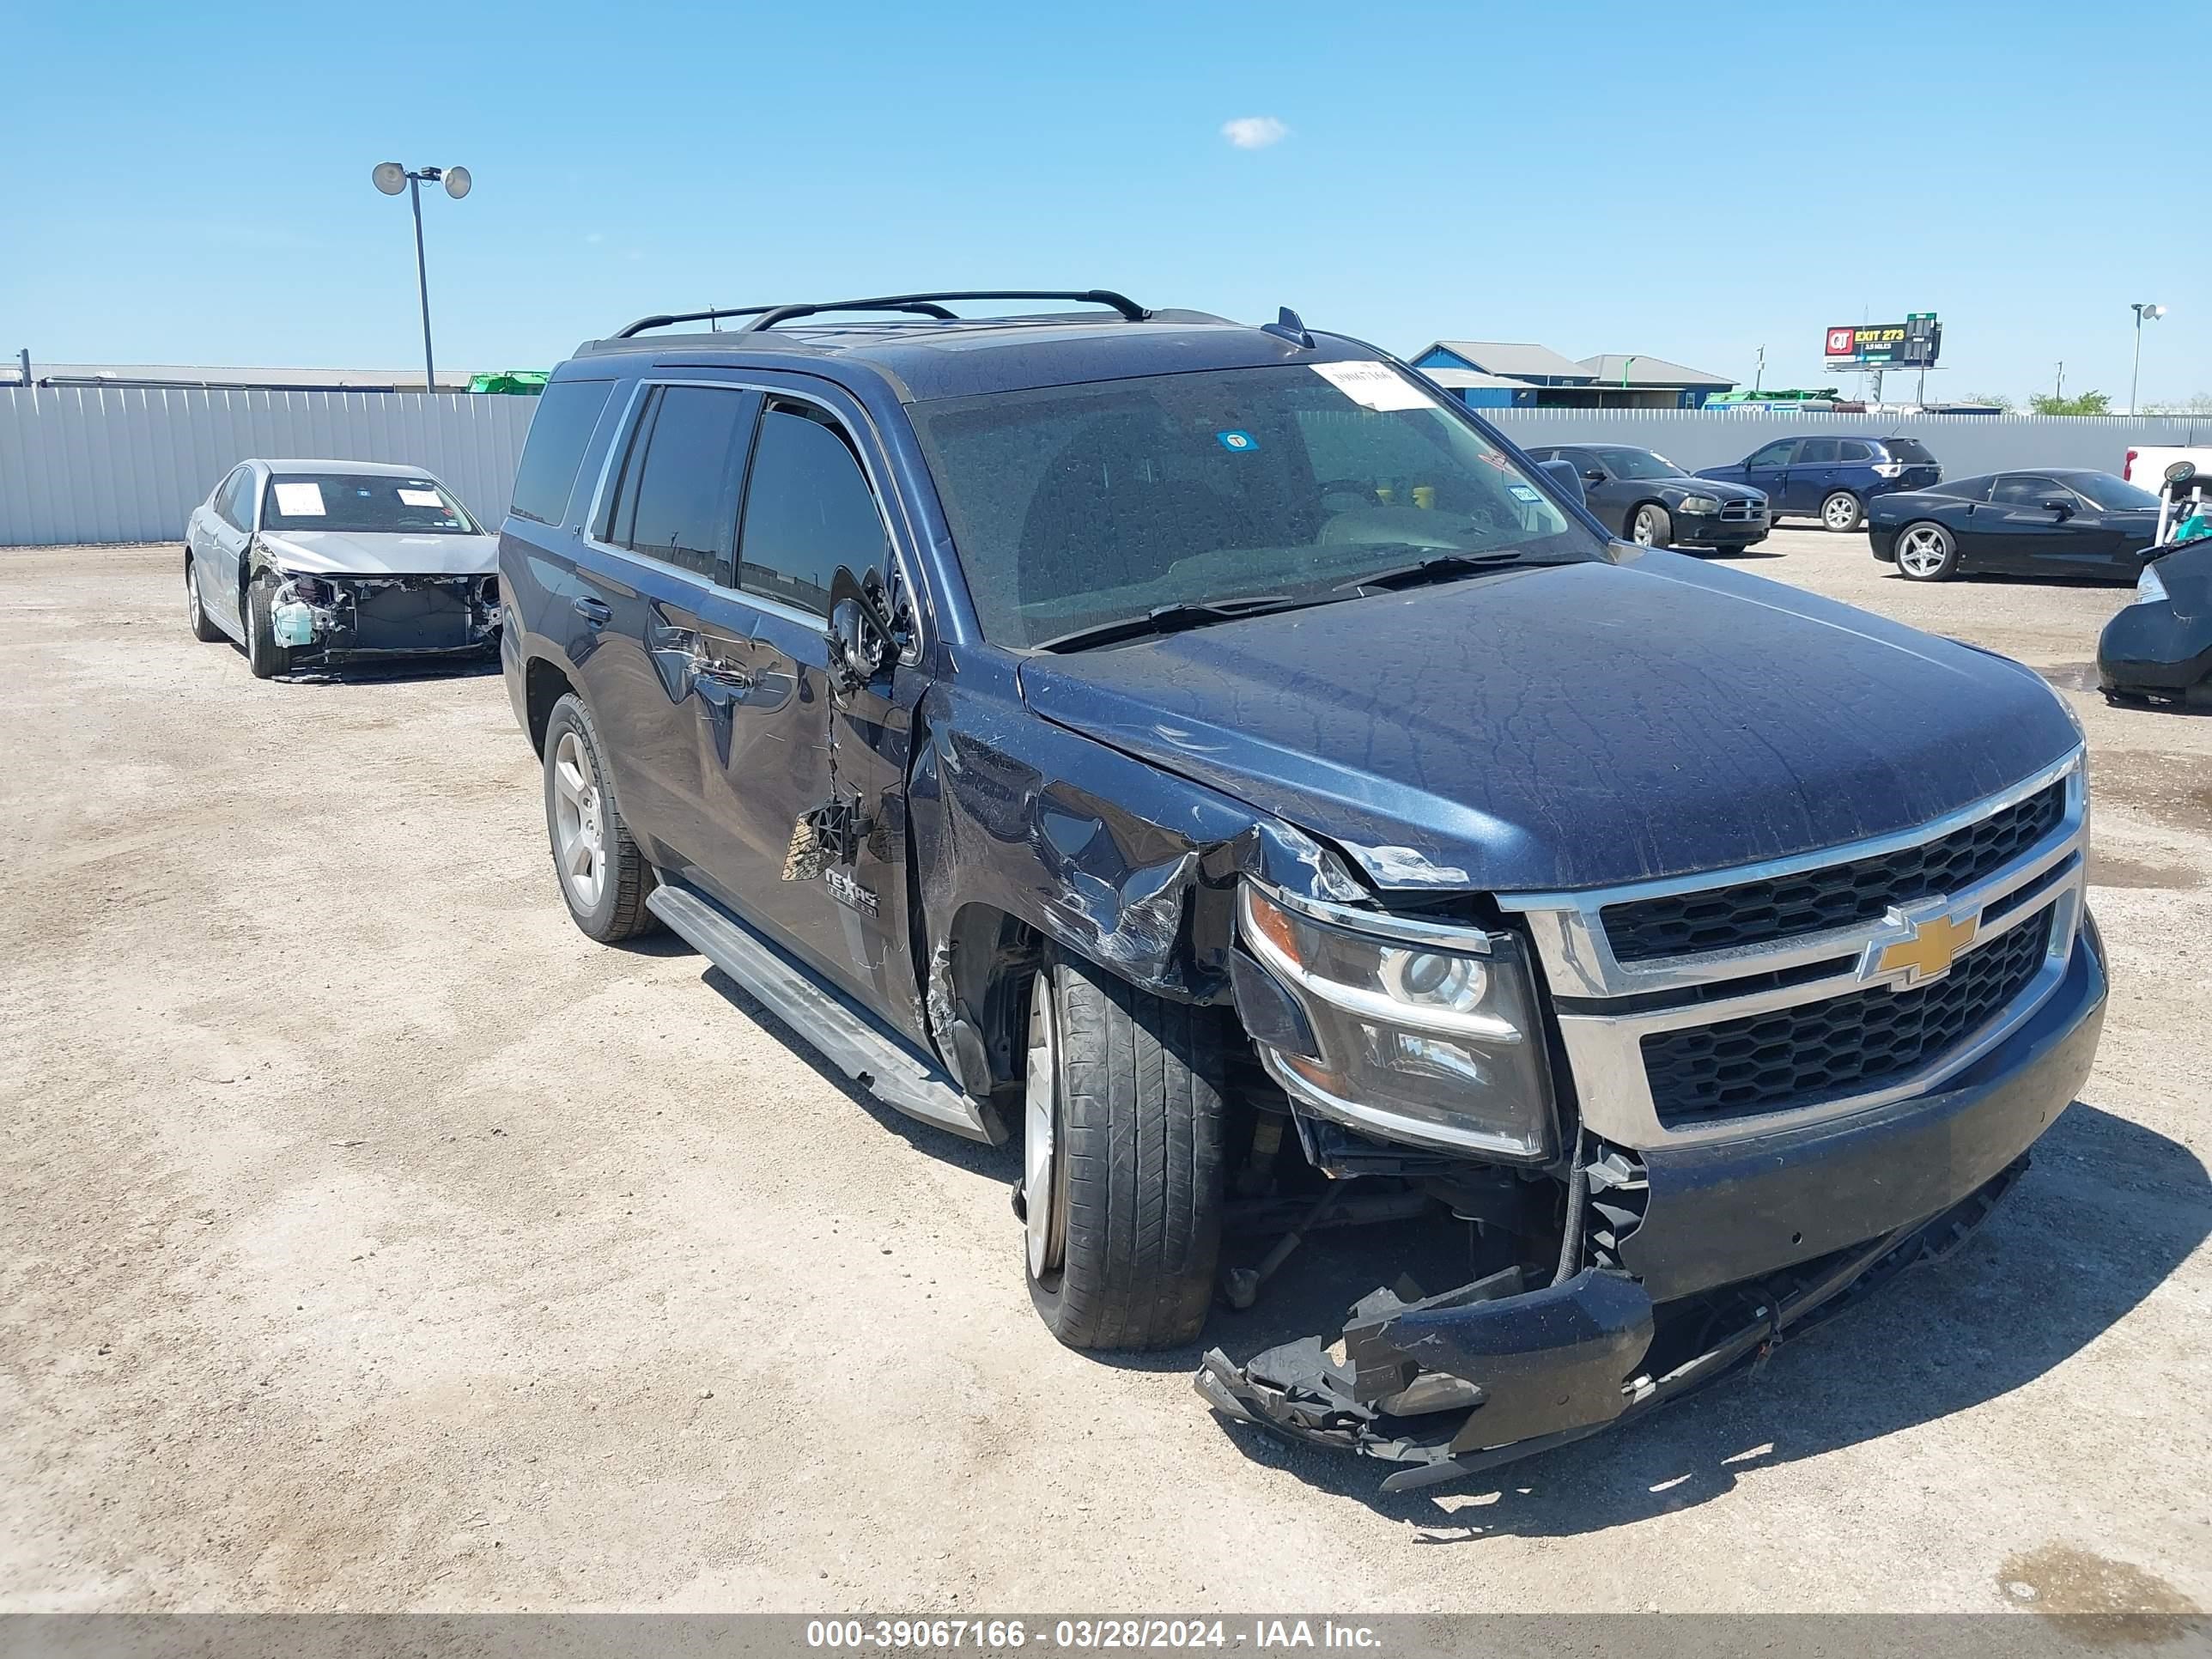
<point>770,316</point>
<point>645,323</point>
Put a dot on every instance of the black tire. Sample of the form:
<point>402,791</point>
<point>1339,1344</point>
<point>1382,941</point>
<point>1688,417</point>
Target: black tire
<point>203,625</point>
<point>1651,526</point>
<point>1138,1163</point>
<point>263,655</point>
<point>1842,512</point>
<point>616,911</point>
<point>1916,569</point>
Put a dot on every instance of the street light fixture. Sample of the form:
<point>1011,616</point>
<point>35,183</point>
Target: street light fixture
<point>391,178</point>
<point>2142,309</point>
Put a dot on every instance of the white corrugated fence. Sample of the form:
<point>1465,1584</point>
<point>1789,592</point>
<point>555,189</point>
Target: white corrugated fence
<point>127,464</point>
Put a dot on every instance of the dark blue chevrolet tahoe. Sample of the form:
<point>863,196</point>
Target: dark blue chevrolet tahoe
<point>1209,749</point>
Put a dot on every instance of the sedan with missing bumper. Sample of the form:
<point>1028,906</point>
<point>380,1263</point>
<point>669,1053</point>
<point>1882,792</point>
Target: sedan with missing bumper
<point>320,564</point>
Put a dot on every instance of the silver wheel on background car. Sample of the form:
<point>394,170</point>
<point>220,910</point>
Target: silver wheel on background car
<point>1645,531</point>
<point>193,613</point>
<point>1924,552</point>
<point>1841,512</point>
<point>580,821</point>
<point>1040,1129</point>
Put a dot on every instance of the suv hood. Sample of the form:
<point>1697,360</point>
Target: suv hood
<point>395,553</point>
<point>1570,726</point>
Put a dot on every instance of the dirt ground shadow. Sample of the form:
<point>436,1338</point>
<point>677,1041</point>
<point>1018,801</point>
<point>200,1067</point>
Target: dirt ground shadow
<point>2109,1210</point>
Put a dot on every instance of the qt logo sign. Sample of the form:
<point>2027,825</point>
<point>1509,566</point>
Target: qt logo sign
<point>1237,440</point>
<point>1842,342</point>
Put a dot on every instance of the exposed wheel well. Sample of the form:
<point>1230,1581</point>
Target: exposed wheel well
<point>987,960</point>
<point>543,685</point>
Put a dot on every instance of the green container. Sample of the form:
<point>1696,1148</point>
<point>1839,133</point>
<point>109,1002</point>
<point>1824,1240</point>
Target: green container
<point>515,382</point>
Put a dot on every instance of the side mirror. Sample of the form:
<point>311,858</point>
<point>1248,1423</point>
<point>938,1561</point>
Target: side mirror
<point>2064,509</point>
<point>1595,475</point>
<point>1562,472</point>
<point>862,629</point>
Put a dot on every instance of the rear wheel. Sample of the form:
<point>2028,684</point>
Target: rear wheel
<point>605,879</point>
<point>263,655</point>
<point>1926,553</point>
<point>203,625</point>
<point>1121,1160</point>
<point>1841,512</point>
<point>1652,526</point>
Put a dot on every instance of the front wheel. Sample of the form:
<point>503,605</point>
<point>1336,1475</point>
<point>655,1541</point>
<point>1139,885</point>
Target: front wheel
<point>1926,553</point>
<point>263,656</point>
<point>1842,512</point>
<point>1653,527</point>
<point>603,878</point>
<point>1121,1160</point>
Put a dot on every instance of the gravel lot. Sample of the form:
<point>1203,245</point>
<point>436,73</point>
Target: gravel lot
<point>370,1239</point>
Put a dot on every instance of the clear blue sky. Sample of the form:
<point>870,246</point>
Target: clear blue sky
<point>191,184</point>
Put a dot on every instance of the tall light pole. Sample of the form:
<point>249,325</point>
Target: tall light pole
<point>2142,309</point>
<point>389,177</point>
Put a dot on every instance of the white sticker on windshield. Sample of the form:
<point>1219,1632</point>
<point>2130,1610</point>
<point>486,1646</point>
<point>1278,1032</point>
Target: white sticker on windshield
<point>420,498</point>
<point>299,501</point>
<point>1373,386</point>
<point>1521,492</point>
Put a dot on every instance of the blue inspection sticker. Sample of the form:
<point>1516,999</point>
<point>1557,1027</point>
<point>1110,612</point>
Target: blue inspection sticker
<point>1521,492</point>
<point>1237,440</point>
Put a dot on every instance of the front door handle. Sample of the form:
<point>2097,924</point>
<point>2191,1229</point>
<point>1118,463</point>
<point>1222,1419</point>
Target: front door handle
<point>594,612</point>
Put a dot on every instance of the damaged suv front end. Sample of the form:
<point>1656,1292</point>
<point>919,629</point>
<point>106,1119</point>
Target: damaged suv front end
<point>1761,1092</point>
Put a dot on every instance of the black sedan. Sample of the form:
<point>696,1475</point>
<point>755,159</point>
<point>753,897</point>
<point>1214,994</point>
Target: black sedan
<point>2161,645</point>
<point>2058,521</point>
<point>1648,500</point>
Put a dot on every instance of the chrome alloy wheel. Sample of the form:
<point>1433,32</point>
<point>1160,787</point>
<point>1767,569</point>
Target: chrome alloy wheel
<point>1040,1124</point>
<point>1838,512</point>
<point>1923,549</point>
<point>1645,530</point>
<point>579,821</point>
<point>194,613</point>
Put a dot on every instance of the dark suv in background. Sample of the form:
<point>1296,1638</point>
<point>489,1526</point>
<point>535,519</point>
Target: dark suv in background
<point>1642,497</point>
<point>1216,753</point>
<point>1831,478</point>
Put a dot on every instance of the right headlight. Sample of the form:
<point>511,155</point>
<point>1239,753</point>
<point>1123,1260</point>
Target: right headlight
<point>1426,1034</point>
<point>1701,504</point>
<point>2149,588</point>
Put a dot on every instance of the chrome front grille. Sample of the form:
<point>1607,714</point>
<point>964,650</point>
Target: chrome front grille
<point>1695,1008</point>
<point>1835,896</point>
<point>1740,512</point>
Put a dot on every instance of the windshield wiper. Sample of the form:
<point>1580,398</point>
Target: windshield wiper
<point>1437,566</point>
<point>1173,618</point>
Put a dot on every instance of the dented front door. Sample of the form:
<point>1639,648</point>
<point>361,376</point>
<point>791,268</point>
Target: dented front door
<point>805,780</point>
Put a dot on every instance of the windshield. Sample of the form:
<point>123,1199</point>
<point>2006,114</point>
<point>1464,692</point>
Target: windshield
<point>1638,464</point>
<point>1076,505</point>
<point>361,501</point>
<point>2103,490</point>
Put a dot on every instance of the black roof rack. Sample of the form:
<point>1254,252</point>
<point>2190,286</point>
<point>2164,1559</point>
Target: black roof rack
<point>924,305</point>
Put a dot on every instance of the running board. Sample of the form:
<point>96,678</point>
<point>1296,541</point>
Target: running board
<point>853,1041</point>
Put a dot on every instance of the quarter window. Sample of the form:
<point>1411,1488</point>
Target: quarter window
<point>678,501</point>
<point>560,431</point>
<point>808,509</point>
<point>1853,451</point>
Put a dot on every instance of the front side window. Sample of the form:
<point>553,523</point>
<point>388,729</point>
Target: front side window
<point>1076,506</point>
<point>1775,455</point>
<point>808,509</point>
<point>677,500</point>
<point>1638,464</point>
<point>363,502</point>
<point>2026,489</point>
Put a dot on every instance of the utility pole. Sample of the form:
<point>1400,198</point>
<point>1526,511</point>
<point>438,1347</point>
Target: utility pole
<point>390,178</point>
<point>2058,387</point>
<point>1758,378</point>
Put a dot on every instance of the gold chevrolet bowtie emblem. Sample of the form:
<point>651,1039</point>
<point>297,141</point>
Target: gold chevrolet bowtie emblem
<point>1928,950</point>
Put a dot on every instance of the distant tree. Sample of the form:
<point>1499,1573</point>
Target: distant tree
<point>2199,404</point>
<point>2082,402</point>
<point>1993,399</point>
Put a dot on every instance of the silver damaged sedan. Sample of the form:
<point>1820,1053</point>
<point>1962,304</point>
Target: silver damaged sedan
<point>324,562</point>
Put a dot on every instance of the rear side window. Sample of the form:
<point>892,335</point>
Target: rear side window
<point>560,432</point>
<point>1910,451</point>
<point>808,509</point>
<point>679,498</point>
<point>1817,451</point>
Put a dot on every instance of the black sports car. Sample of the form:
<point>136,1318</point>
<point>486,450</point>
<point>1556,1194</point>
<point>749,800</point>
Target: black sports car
<point>2055,521</point>
<point>1648,500</point>
<point>2160,644</point>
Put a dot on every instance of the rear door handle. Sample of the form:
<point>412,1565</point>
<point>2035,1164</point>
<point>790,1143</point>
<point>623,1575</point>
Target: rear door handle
<point>594,611</point>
